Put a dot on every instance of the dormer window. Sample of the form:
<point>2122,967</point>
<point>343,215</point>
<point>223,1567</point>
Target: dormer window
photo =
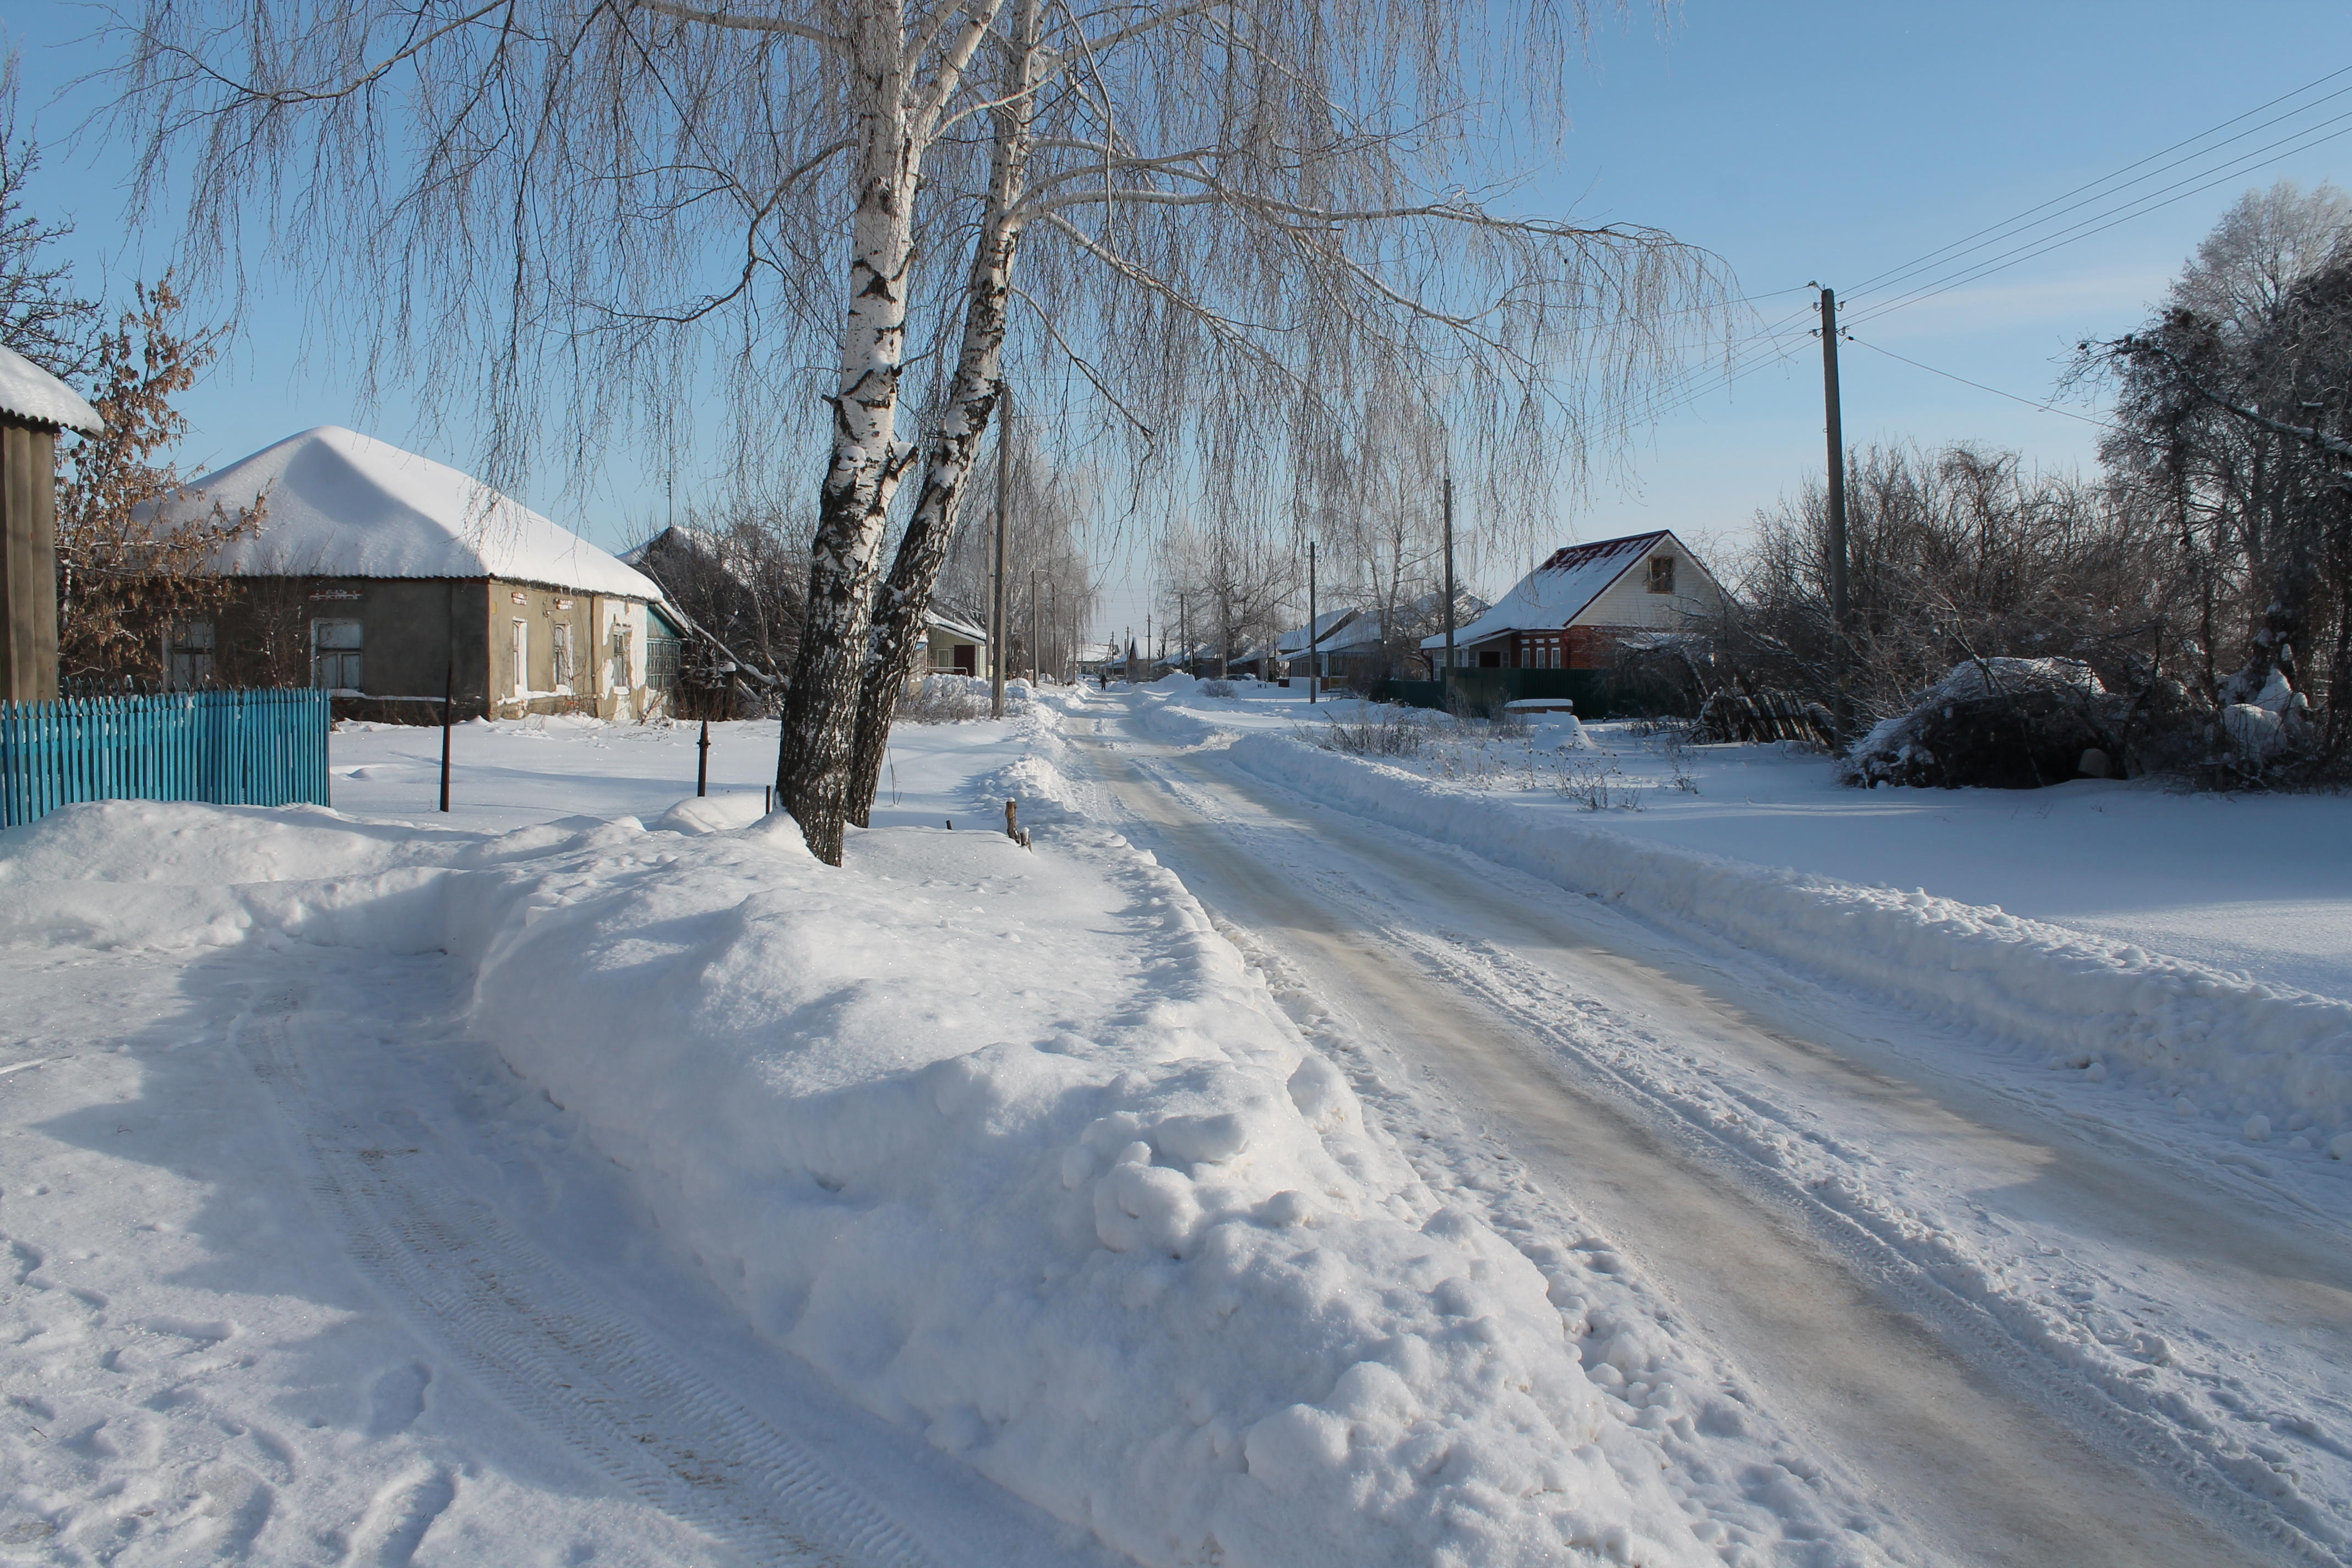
<point>1662,573</point>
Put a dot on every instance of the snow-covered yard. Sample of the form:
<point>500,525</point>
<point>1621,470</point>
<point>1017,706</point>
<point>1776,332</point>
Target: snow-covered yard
<point>2260,883</point>
<point>591,1176</point>
<point>372,1188</point>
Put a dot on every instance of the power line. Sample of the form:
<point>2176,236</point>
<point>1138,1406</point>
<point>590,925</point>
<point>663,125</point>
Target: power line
<point>1980,386</point>
<point>2138,207</point>
<point>1992,233</point>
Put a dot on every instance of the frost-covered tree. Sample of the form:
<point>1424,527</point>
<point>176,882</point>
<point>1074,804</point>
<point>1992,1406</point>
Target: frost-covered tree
<point>41,317</point>
<point>1256,212</point>
<point>1238,233</point>
<point>2234,416</point>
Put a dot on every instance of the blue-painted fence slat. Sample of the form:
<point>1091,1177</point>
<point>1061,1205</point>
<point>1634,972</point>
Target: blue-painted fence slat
<point>227,747</point>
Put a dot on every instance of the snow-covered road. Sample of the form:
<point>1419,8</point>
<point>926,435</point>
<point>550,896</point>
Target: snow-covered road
<point>2021,1333</point>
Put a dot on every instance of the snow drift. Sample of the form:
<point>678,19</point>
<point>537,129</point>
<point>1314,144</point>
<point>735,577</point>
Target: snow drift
<point>1010,1145</point>
<point>2217,1043</point>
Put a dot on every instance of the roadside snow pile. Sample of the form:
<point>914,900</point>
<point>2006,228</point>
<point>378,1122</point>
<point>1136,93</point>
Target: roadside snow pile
<point>2263,1056</point>
<point>1995,724</point>
<point>1010,1146</point>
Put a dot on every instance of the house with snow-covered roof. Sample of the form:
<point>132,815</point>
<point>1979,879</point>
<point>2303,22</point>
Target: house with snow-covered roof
<point>386,578</point>
<point>1573,611</point>
<point>952,646</point>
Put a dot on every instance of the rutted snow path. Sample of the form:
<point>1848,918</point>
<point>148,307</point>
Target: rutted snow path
<point>519,1321</point>
<point>1786,1187</point>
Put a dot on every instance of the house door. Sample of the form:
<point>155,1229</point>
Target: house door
<point>967,658</point>
<point>522,652</point>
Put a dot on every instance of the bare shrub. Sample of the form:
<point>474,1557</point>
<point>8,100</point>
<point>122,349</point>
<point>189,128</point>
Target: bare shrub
<point>943,699</point>
<point>1381,734</point>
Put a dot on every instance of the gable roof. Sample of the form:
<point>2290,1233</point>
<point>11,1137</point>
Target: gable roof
<point>1562,588</point>
<point>32,393</point>
<point>341,504</point>
<point>1332,629</point>
<point>955,626</point>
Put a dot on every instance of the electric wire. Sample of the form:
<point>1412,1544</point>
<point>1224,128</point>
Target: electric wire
<point>2138,207</point>
<point>1993,234</point>
<point>1980,386</point>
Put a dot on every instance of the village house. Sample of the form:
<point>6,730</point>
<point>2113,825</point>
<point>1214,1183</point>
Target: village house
<point>951,647</point>
<point>386,578</point>
<point>1573,611</point>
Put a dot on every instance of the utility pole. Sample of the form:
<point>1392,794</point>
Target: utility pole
<point>996,591</point>
<point>1839,611</point>
<point>1313,671</point>
<point>1448,676</point>
<point>1036,670</point>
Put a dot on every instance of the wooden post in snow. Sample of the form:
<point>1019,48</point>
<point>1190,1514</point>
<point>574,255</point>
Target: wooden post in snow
<point>996,590</point>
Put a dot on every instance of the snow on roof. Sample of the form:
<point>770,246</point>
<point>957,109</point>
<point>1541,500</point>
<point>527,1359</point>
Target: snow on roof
<point>28,392</point>
<point>341,504</point>
<point>1557,591</point>
<point>956,625</point>
<point>1328,628</point>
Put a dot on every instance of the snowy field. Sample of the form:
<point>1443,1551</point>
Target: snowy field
<point>588,1175</point>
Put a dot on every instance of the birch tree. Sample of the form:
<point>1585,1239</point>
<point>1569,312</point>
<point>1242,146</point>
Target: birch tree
<point>1240,266</point>
<point>584,187</point>
<point>1257,231</point>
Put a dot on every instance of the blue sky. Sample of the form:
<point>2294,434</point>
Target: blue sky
<point>1798,143</point>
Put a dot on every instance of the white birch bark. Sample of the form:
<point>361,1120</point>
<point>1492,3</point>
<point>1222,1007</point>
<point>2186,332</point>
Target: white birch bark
<point>973,395</point>
<point>868,460</point>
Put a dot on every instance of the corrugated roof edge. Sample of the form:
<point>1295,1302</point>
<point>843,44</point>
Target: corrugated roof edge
<point>33,394</point>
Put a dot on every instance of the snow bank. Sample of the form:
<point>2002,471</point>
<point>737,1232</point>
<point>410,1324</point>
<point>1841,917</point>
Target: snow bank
<point>2218,1042</point>
<point>1010,1145</point>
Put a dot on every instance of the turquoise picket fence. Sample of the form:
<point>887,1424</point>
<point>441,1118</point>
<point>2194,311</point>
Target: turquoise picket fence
<point>228,747</point>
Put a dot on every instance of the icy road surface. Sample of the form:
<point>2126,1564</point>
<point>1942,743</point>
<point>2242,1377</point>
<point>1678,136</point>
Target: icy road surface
<point>1893,1256</point>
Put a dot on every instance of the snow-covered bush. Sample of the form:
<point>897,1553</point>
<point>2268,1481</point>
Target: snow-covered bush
<point>1216,688</point>
<point>1997,724</point>
<point>943,699</point>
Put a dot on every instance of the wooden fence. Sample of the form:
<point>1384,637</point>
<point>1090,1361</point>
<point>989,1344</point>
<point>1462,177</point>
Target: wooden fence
<point>229,748</point>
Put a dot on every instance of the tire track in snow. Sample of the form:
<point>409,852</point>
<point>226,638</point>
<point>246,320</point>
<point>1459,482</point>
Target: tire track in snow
<point>536,1339</point>
<point>1498,983</point>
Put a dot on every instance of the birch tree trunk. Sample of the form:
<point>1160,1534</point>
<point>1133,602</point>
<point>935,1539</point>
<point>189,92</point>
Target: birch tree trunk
<point>905,601</point>
<point>869,460</point>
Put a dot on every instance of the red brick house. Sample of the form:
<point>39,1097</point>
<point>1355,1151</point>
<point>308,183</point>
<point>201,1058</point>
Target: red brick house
<point>1571,612</point>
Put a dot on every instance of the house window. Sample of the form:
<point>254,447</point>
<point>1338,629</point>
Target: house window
<point>335,648</point>
<point>188,656</point>
<point>664,658</point>
<point>620,658</point>
<point>560,638</point>
<point>520,650</point>
<point>1662,573</point>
